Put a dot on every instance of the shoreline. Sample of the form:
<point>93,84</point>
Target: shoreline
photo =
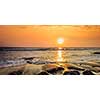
<point>51,69</point>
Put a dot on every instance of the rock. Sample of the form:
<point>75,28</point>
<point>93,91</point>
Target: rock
<point>28,58</point>
<point>97,69</point>
<point>71,73</point>
<point>96,53</point>
<point>29,62</point>
<point>52,70</point>
<point>76,68</point>
<point>43,73</point>
<point>88,72</point>
<point>20,72</point>
<point>32,69</point>
<point>93,64</point>
<point>55,70</point>
<point>49,66</point>
<point>60,69</point>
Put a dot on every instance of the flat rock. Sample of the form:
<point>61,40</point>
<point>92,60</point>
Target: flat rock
<point>55,70</point>
<point>59,68</point>
<point>76,68</point>
<point>88,72</point>
<point>93,64</point>
<point>96,53</point>
<point>43,73</point>
<point>29,62</point>
<point>28,58</point>
<point>52,70</point>
<point>49,66</point>
<point>71,73</point>
<point>31,69</point>
<point>20,72</point>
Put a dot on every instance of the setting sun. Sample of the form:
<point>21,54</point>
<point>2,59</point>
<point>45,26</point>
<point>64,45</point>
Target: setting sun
<point>60,40</point>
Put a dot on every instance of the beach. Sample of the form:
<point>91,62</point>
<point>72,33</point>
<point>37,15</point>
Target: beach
<point>50,61</point>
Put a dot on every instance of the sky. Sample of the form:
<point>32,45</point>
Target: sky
<point>47,35</point>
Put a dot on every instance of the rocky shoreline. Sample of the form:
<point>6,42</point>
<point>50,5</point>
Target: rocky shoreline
<point>90,68</point>
<point>29,67</point>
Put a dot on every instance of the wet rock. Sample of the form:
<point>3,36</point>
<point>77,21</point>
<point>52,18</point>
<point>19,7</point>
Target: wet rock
<point>93,64</point>
<point>60,69</point>
<point>71,73</point>
<point>43,73</point>
<point>76,68</point>
<point>49,66</point>
<point>52,71</point>
<point>29,62</point>
<point>20,72</point>
<point>32,69</point>
<point>88,72</point>
<point>28,58</point>
<point>96,53</point>
<point>55,70</point>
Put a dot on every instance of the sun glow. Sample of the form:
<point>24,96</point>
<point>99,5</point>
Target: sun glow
<point>60,40</point>
<point>60,58</point>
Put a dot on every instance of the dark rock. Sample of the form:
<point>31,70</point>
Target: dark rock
<point>60,69</point>
<point>96,53</point>
<point>55,70</point>
<point>76,68</point>
<point>87,72</point>
<point>52,70</point>
<point>29,58</point>
<point>43,73</point>
<point>71,73</point>
<point>29,62</point>
<point>16,73</point>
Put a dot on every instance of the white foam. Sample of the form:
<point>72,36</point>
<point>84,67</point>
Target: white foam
<point>11,63</point>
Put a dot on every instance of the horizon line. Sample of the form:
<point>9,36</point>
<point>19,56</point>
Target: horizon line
<point>48,47</point>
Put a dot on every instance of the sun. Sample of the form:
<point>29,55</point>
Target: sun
<point>60,40</point>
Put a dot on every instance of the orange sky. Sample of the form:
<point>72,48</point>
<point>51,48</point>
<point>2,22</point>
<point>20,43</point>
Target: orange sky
<point>46,36</point>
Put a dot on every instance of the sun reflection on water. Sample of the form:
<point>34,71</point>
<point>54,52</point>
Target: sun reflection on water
<point>60,56</point>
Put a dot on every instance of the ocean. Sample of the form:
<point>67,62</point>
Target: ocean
<point>13,56</point>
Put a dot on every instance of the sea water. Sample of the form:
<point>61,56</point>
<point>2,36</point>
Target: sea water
<point>14,56</point>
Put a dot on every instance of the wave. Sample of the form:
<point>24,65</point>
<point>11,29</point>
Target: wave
<point>46,49</point>
<point>36,61</point>
<point>12,63</point>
